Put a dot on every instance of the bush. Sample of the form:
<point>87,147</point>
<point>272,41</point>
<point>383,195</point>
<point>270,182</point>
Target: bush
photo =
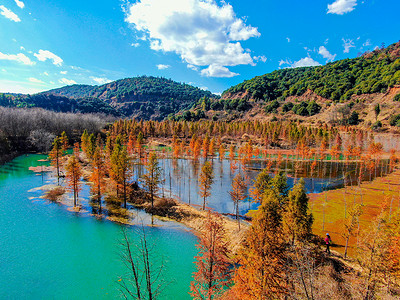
<point>353,119</point>
<point>395,120</point>
<point>287,107</point>
<point>272,107</point>
<point>397,97</point>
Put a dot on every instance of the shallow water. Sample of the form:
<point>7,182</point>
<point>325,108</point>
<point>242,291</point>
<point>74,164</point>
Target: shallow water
<point>49,252</point>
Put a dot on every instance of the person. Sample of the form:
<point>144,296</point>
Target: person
<point>328,241</point>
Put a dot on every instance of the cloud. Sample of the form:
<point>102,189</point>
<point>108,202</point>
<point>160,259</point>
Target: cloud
<point>63,72</point>
<point>341,7</point>
<point>9,14</point>
<point>201,32</point>
<point>135,45</point>
<point>304,62</point>
<point>100,80</point>
<point>20,58</point>
<point>288,40</point>
<point>163,67</point>
<point>347,44</point>
<point>45,73</point>
<point>217,71</point>
<point>43,55</point>
<point>326,54</point>
<point>192,67</point>
<point>35,80</point>
<point>67,81</point>
<point>367,43</point>
<point>20,4</point>
<point>260,58</point>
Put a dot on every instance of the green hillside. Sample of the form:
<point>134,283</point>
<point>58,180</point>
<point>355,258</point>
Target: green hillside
<point>373,72</point>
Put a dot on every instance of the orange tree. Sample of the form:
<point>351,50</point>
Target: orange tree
<point>73,175</point>
<point>206,179</point>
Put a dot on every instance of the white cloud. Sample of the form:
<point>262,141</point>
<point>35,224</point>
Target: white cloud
<point>9,14</point>
<point>217,71</point>
<point>100,80</point>
<point>45,74</point>
<point>192,67</point>
<point>260,58</point>
<point>201,32</point>
<point>20,57</point>
<point>35,80</point>
<point>63,72</point>
<point>326,54</point>
<point>135,45</point>
<point>288,40</point>
<point>367,43</point>
<point>304,62</point>
<point>163,67</point>
<point>4,70</point>
<point>20,4</point>
<point>43,55</point>
<point>341,7</point>
<point>347,44</point>
<point>67,81</point>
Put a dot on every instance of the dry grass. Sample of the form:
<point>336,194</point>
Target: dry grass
<point>55,193</point>
<point>329,210</point>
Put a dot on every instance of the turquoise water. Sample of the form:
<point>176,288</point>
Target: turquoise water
<point>47,252</point>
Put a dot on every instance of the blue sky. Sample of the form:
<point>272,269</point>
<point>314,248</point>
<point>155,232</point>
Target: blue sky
<point>207,43</point>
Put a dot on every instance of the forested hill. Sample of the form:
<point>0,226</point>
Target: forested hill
<point>363,90</point>
<point>143,97</point>
<point>140,97</point>
<point>373,72</point>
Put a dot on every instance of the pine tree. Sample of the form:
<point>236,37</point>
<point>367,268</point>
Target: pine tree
<point>212,263</point>
<point>55,155</point>
<point>73,176</point>
<point>297,221</point>
<point>152,178</point>
<point>238,193</point>
<point>261,184</point>
<point>261,260</point>
<point>206,179</point>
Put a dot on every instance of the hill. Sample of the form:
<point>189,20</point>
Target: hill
<point>140,97</point>
<point>330,93</point>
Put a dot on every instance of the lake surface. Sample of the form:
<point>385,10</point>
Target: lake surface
<point>48,252</point>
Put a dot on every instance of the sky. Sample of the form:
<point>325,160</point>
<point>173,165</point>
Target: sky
<point>207,43</point>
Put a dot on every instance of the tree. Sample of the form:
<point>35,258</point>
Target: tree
<point>377,110</point>
<point>73,176</point>
<point>297,222</point>
<point>152,178</point>
<point>64,142</point>
<point>350,224</point>
<point>98,173</point>
<point>261,184</point>
<point>212,262</point>
<point>120,167</point>
<point>55,155</point>
<point>261,258</point>
<point>143,281</point>
<point>206,179</point>
<point>238,193</point>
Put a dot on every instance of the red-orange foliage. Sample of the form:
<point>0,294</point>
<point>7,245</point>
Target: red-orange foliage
<point>212,263</point>
<point>73,176</point>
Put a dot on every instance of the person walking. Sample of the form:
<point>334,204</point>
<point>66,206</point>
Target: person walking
<point>328,241</point>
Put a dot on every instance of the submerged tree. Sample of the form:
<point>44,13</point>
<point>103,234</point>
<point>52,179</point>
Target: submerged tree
<point>238,193</point>
<point>261,184</point>
<point>73,176</point>
<point>206,179</point>
<point>212,263</point>
<point>98,173</point>
<point>55,155</point>
<point>152,178</point>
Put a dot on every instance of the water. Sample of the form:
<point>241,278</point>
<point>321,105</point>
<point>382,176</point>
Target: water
<point>181,178</point>
<point>49,252</point>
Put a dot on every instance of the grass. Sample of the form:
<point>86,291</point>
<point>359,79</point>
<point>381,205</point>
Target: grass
<point>329,208</point>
